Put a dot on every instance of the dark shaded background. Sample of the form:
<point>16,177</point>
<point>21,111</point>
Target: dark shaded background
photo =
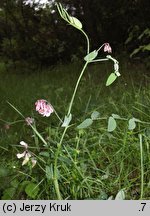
<point>41,38</point>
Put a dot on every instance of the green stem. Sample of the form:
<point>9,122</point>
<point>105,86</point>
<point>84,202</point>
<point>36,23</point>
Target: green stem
<point>88,42</point>
<point>98,60</point>
<point>56,184</point>
<point>75,89</point>
<point>100,47</point>
<point>39,135</point>
<point>58,116</point>
<point>64,15</point>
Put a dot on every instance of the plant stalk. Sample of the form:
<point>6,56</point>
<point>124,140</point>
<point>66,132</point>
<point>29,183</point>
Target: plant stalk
<point>56,183</point>
<point>75,89</point>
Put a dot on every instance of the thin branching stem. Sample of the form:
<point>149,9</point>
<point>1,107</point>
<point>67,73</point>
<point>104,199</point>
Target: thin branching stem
<point>88,41</point>
<point>75,89</point>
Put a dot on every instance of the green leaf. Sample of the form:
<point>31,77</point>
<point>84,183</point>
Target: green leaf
<point>86,123</point>
<point>49,172</point>
<point>111,124</point>
<point>32,190</point>
<point>102,196</point>
<point>146,47</point>
<point>14,183</point>
<point>136,51</point>
<point>9,193</point>
<point>65,159</point>
<point>67,120</point>
<point>75,22</point>
<point>95,115</point>
<point>131,124</point>
<point>120,195</point>
<point>91,56</point>
<point>110,198</point>
<point>145,32</point>
<point>70,19</point>
<point>3,172</point>
<point>22,186</point>
<point>45,154</point>
<point>112,77</point>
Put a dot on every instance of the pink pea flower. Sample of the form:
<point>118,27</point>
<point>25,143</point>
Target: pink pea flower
<point>107,48</point>
<point>44,108</point>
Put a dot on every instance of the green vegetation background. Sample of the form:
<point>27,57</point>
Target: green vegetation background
<point>41,57</point>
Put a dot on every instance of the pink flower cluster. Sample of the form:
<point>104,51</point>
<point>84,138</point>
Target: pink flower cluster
<point>107,48</point>
<point>44,108</point>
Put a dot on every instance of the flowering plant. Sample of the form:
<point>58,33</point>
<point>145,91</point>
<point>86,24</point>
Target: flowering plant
<point>44,108</point>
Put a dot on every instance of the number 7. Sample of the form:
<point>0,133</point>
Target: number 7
<point>144,204</point>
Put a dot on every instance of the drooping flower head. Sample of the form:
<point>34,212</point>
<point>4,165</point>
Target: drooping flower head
<point>29,120</point>
<point>6,127</point>
<point>44,108</point>
<point>26,155</point>
<point>107,48</point>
